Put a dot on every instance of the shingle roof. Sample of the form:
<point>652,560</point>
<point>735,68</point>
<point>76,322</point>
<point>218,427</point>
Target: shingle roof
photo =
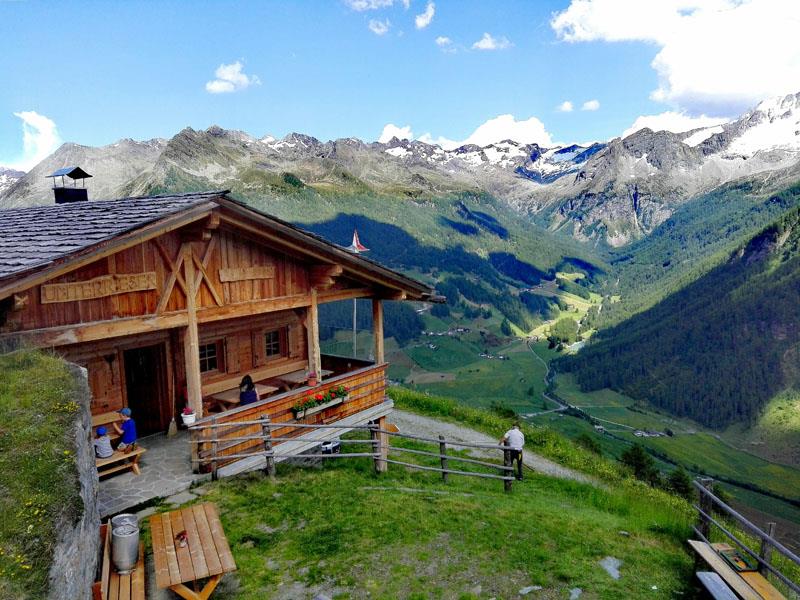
<point>38,235</point>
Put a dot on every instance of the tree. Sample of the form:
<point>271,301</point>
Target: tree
<point>679,483</point>
<point>641,463</point>
<point>505,327</point>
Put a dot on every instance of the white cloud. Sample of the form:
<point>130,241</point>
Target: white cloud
<point>591,105</point>
<point>390,130</point>
<point>39,139</point>
<point>362,5</point>
<point>231,78</point>
<point>406,4</point>
<point>713,56</point>
<point>565,106</point>
<point>487,42</point>
<point>443,41</point>
<point>503,127</point>
<point>424,19</point>
<point>379,27</point>
<point>676,122</point>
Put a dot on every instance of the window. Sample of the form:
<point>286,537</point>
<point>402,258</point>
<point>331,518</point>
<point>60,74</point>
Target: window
<point>209,357</point>
<point>273,347</point>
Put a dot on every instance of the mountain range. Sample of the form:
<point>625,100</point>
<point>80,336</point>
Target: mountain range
<point>609,193</point>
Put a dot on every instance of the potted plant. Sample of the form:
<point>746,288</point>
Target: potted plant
<point>312,379</point>
<point>188,415</point>
<point>315,403</point>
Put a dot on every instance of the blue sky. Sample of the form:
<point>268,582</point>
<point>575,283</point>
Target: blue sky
<point>100,71</point>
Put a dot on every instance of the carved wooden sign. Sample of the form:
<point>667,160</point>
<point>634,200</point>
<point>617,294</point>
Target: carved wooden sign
<point>99,287</point>
<point>246,273</point>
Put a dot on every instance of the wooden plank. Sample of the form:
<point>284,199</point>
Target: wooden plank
<point>760,584</point>
<point>105,568</point>
<point>113,587</point>
<point>731,577</point>
<point>124,587</point>
<point>159,552</point>
<point>246,273</point>
<point>377,328</point>
<point>715,586</point>
<point>220,541</point>
<point>137,577</point>
<point>195,545</point>
<point>183,554</point>
<point>191,344</point>
<point>169,545</point>
<point>206,540</point>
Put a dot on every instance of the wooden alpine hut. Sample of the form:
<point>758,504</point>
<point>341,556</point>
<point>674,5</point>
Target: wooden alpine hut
<point>168,301</point>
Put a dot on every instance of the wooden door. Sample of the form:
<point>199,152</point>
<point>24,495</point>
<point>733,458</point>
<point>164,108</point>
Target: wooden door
<point>145,384</point>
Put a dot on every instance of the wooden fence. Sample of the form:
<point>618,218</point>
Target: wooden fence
<point>267,445</point>
<point>709,503</point>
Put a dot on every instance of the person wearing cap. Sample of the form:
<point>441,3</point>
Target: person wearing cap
<point>102,444</point>
<point>127,430</point>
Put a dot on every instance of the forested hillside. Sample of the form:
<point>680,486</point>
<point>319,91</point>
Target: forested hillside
<point>718,349</point>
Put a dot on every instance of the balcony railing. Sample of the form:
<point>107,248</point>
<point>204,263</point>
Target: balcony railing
<point>366,387</point>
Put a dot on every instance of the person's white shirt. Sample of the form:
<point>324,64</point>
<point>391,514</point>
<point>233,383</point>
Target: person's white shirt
<point>516,440</point>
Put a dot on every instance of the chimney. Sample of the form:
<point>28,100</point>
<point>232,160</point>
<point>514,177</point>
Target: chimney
<point>64,193</point>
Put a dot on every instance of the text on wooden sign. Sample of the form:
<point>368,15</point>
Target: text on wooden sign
<point>246,273</point>
<point>99,287</point>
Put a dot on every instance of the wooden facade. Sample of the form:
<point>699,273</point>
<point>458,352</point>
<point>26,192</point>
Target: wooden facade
<point>178,308</point>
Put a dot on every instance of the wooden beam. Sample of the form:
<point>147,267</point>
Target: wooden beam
<point>312,331</point>
<point>191,345</point>
<point>377,329</point>
<point>103,249</point>
<point>202,275</point>
<point>348,294</point>
<point>174,276</point>
<point>99,330</point>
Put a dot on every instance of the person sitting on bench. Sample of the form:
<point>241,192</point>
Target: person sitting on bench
<point>102,444</point>
<point>247,391</point>
<point>127,430</point>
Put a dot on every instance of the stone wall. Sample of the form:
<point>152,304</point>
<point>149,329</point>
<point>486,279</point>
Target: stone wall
<point>75,555</point>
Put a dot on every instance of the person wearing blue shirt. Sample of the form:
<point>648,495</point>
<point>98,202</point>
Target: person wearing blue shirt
<point>247,391</point>
<point>127,430</point>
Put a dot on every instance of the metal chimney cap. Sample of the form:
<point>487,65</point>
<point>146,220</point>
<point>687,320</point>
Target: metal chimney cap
<point>71,172</point>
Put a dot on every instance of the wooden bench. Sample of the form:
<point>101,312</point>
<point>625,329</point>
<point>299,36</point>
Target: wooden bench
<point>120,461</point>
<point>110,584</point>
<point>749,585</point>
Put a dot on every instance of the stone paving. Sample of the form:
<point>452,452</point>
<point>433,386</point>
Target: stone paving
<point>165,470</point>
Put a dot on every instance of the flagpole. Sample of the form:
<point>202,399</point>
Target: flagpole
<point>355,305</point>
<point>356,248</point>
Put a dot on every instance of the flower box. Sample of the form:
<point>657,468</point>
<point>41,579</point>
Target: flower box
<point>307,412</point>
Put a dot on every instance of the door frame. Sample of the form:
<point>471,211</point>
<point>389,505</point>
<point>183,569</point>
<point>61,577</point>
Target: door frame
<point>163,372</point>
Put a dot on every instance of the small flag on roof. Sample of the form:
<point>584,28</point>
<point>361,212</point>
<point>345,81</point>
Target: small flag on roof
<point>356,247</point>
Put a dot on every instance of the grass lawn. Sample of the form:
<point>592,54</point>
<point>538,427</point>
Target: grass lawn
<point>348,532</point>
<point>516,383</point>
<point>38,480</point>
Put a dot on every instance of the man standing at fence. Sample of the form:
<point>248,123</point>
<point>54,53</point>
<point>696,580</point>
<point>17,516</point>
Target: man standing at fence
<point>515,439</point>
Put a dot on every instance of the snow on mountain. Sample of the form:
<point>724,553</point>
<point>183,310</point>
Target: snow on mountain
<point>701,135</point>
<point>9,177</point>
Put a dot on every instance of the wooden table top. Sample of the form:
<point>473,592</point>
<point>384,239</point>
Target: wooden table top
<point>300,376</point>
<point>206,553</point>
<point>232,396</point>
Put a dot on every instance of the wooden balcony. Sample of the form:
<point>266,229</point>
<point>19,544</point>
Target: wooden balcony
<point>366,385</point>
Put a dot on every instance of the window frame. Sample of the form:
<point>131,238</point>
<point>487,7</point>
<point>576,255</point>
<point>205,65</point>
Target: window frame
<point>219,356</point>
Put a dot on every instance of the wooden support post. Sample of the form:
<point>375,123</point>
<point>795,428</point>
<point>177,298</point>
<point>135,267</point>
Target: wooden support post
<point>266,429</point>
<point>765,552</point>
<point>706,505</point>
<point>377,329</point>
<point>506,463</point>
<point>214,449</point>
<point>380,445</point>
<point>443,454</point>
<point>312,329</point>
<point>191,344</point>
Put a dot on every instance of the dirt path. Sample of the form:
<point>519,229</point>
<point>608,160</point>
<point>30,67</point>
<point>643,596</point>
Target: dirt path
<point>427,426</point>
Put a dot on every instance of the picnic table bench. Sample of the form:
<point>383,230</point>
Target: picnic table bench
<point>749,585</point>
<point>111,585</point>
<point>120,461</point>
<point>204,555</point>
<point>107,419</point>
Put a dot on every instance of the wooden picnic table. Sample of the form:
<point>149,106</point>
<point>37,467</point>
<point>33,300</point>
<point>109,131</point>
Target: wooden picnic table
<point>206,554</point>
<point>230,398</point>
<point>298,378</point>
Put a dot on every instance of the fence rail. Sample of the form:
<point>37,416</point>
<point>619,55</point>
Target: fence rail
<point>707,504</point>
<point>379,444</point>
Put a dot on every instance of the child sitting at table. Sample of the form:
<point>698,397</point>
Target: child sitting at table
<point>102,444</point>
<point>127,430</point>
<point>247,391</point>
